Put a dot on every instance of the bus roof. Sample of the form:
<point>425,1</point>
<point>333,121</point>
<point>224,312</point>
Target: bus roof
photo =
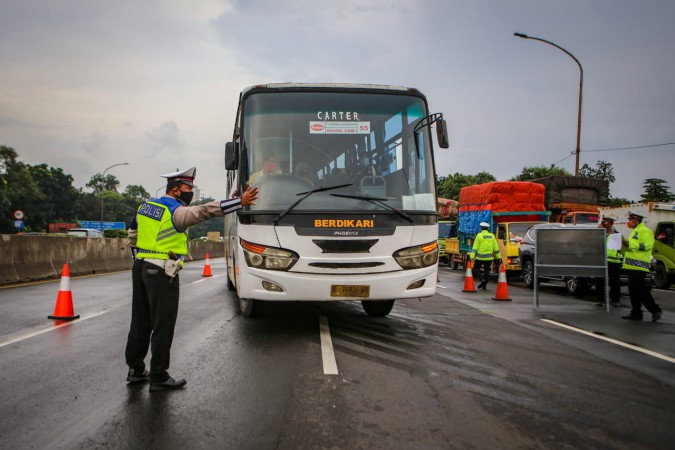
<point>348,86</point>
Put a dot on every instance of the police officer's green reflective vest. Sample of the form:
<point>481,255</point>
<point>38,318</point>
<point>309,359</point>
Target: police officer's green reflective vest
<point>613,256</point>
<point>640,244</point>
<point>485,247</point>
<point>157,235</point>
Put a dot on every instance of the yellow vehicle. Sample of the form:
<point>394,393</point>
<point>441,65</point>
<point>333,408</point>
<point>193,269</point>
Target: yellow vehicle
<point>446,229</point>
<point>509,236</point>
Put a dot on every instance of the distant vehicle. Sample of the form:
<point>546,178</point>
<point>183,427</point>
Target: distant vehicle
<point>574,285</point>
<point>85,232</point>
<point>446,229</point>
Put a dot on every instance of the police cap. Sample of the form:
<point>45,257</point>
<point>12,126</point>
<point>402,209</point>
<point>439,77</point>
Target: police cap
<point>632,213</point>
<point>484,225</point>
<point>607,219</point>
<point>185,176</point>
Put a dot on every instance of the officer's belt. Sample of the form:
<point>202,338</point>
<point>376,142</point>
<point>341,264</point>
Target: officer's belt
<point>157,262</point>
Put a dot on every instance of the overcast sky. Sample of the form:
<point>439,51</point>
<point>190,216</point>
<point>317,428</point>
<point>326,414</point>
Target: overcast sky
<point>87,84</point>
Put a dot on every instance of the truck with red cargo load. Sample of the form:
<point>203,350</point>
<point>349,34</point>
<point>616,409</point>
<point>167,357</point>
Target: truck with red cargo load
<point>510,207</point>
<point>574,200</point>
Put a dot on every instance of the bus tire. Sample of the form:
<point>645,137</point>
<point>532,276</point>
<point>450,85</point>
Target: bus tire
<point>250,308</point>
<point>377,308</point>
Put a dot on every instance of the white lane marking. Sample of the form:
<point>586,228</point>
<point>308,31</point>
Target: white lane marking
<point>36,333</point>
<point>613,341</point>
<point>204,279</point>
<point>327,353</point>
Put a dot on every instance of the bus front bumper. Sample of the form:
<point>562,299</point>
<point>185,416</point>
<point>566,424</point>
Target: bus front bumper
<point>262,284</point>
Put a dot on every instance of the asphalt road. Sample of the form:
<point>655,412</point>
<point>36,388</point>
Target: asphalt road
<point>458,370</point>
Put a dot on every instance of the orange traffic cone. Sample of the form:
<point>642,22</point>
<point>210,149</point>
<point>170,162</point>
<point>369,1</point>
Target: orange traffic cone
<point>207,268</point>
<point>64,301</point>
<point>502,288</point>
<point>468,279</point>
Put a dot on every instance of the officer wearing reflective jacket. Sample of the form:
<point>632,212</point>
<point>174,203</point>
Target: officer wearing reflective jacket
<point>484,251</point>
<point>614,260</point>
<point>636,262</point>
<point>161,240</point>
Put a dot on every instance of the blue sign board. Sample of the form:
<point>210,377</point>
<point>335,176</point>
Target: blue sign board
<point>18,224</point>
<point>96,225</point>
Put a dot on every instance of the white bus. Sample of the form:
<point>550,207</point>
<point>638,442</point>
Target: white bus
<point>347,205</point>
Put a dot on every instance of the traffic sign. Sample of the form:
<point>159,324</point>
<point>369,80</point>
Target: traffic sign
<point>18,224</point>
<point>96,225</point>
<point>18,214</point>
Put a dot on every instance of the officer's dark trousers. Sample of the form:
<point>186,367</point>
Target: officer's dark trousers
<point>482,267</point>
<point>154,308</point>
<point>640,294</point>
<point>613,271</point>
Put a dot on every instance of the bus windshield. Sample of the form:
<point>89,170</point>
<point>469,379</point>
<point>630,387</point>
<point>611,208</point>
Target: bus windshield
<point>297,141</point>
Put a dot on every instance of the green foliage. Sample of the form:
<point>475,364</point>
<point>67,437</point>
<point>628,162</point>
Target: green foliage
<point>115,233</point>
<point>603,171</point>
<point>619,201</point>
<point>656,190</point>
<point>449,187</point>
<point>534,172</point>
<point>99,183</point>
<point>46,194</point>
<point>201,229</point>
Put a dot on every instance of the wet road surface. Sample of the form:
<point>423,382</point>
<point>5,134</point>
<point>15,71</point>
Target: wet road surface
<point>453,371</point>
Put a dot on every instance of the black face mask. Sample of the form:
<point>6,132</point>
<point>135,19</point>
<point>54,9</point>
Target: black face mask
<point>186,197</point>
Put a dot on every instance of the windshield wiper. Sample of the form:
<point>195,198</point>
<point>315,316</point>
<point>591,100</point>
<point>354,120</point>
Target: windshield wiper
<point>305,195</point>
<point>376,201</point>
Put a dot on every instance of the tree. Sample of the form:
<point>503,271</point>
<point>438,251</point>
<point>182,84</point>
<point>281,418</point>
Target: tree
<point>201,229</point>
<point>619,201</point>
<point>603,171</point>
<point>59,194</point>
<point>99,183</point>
<point>87,206</point>
<point>449,187</point>
<point>656,190</point>
<point>7,158</point>
<point>534,172</point>
<point>22,192</point>
<point>136,193</point>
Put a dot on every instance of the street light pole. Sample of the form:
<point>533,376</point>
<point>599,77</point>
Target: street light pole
<point>581,86</point>
<point>103,179</point>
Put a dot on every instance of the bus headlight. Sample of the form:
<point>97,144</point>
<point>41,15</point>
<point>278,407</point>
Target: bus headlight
<point>417,257</point>
<point>270,258</point>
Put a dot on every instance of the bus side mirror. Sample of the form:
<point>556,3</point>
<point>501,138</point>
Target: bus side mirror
<point>442,133</point>
<point>231,156</point>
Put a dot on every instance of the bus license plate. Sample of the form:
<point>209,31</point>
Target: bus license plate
<point>343,290</point>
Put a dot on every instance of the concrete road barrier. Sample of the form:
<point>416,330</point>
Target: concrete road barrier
<point>37,257</point>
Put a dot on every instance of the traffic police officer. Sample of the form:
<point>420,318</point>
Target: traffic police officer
<point>614,259</point>
<point>636,262</point>
<point>161,240</point>
<point>483,252</point>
